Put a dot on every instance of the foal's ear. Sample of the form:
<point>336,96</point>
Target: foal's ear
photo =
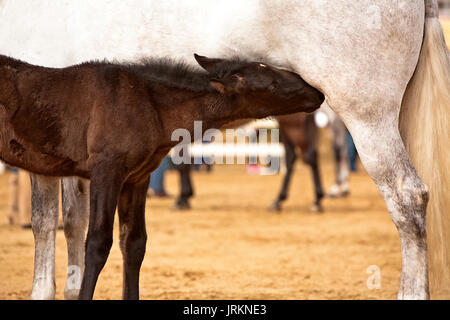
<point>209,64</point>
<point>218,85</point>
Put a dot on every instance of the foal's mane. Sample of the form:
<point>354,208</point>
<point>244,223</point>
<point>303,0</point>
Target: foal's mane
<point>175,74</point>
<point>158,71</point>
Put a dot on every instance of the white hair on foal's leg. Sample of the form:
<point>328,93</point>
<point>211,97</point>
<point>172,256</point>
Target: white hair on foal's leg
<point>44,222</point>
<point>75,197</point>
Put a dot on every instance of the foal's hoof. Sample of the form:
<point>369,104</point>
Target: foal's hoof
<point>316,208</point>
<point>71,294</point>
<point>275,207</point>
<point>43,289</point>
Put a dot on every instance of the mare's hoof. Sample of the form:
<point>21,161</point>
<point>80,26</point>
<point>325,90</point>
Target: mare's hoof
<point>316,208</point>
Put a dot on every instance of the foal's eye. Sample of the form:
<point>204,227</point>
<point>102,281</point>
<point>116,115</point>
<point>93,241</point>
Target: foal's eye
<point>272,86</point>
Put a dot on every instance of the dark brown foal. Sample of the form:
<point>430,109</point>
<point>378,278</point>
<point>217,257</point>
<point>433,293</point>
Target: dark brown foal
<point>113,124</point>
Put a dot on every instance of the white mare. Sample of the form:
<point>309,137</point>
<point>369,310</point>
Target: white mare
<point>361,54</point>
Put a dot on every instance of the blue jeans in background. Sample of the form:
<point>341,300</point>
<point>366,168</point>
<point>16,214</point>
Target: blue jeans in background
<point>352,153</point>
<point>157,176</point>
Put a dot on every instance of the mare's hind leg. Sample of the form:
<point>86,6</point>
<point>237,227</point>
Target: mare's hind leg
<point>290,157</point>
<point>339,131</point>
<point>133,236</point>
<point>75,207</point>
<point>44,223</point>
<point>384,156</point>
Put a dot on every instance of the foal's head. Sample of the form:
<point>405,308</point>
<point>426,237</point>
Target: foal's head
<point>261,89</point>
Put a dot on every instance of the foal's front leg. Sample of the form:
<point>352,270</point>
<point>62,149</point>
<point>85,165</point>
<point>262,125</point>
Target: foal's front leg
<point>44,222</point>
<point>106,183</point>
<point>133,236</point>
<point>75,207</point>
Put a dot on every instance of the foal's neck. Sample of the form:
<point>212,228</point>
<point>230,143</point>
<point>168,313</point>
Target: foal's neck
<point>182,107</point>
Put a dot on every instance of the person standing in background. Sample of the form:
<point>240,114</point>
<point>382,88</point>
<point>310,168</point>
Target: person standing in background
<point>156,187</point>
<point>19,198</point>
<point>352,153</point>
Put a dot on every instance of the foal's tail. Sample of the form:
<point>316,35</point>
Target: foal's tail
<point>425,128</point>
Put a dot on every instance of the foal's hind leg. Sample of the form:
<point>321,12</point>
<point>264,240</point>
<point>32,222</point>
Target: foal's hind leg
<point>384,156</point>
<point>75,206</point>
<point>44,222</point>
<point>133,237</point>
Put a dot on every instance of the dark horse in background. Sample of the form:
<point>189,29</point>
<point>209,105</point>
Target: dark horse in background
<point>300,130</point>
<point>113,124</point>
<point>296,130</point>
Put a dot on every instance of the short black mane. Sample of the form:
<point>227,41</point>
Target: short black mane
<point>176,74</point>
<point>164,71</point>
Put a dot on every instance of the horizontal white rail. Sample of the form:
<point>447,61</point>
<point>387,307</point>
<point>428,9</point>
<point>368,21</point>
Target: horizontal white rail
<point>237,150</point>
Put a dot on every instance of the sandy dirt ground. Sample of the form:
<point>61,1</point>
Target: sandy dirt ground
<point>230,247</point>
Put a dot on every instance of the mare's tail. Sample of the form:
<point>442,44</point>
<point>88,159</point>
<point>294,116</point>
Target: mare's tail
<point>425,128</point>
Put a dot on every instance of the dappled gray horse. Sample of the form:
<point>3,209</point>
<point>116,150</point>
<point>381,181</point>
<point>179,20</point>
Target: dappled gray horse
<point>361,54</point>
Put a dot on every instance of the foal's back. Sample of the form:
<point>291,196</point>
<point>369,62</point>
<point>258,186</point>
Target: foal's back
<point>47,114</point>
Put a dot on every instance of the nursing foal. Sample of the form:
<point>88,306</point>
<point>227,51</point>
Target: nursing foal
<point>113,124</point>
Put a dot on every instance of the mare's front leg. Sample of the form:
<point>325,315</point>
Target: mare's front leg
<point>133,236</point>
<point>75,207</point>
<point>107,178</point>
<point>383,154</point>
<point>44,223</point>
